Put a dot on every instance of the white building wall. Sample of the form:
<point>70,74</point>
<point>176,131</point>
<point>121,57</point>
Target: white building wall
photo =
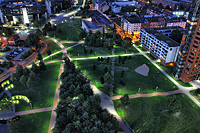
<point>159,48</point>
<point>172,54</point>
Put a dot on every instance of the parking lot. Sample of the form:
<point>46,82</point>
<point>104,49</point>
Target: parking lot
<point>14,55</point>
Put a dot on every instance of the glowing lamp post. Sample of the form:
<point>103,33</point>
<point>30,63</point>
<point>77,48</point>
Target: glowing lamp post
<point>156,88</point>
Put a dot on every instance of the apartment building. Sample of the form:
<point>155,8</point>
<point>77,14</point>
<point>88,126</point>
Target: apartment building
<point>131,23</point>
<point>159,45</point>
<point>188,62</point>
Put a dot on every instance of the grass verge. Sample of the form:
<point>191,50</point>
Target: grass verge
<point>168,70</point>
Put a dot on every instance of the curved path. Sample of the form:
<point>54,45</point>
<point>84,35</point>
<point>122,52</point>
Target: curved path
<point>148,95</point>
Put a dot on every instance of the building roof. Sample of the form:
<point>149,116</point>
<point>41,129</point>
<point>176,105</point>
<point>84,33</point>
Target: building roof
<point>102,18</point>
<point>132,19</point>
<point>161,37</point>
<point>13,38</point>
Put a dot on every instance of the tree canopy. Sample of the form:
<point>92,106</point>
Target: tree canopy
<point>79,109</point>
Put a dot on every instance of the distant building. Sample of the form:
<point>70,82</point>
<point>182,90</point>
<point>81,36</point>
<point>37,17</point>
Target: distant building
<point>97,22</point>
<point>159,45</point>
<point>102,5</point>
<point>13,39</point>
<point>116,8</point>
<point>181,21</point>
<point>25,11</point>
<point>131,23</point>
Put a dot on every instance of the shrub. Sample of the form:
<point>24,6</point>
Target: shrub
<point>94,67</point>
<point>122,73</point>
<point>129,57</point>
<point>102,80</point>
<point>122,83</point>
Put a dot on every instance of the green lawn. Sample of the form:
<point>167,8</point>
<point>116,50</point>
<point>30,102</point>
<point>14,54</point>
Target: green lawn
<point>50,45</point>
<point>151,56</point>
<point>149,115</point>
<point>54,57</point>
<point>35,123</point>
<point>133,81</point>
<point>70,31</point>
<point>195,95</point>
<point>42,94</point>
<point>68,44</point>
<point>100,51</point>
<point>168,70</point>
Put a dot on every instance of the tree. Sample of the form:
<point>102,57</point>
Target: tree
<point>39,57</point>
<point>173,104</point>
<point>42,66</point>
<point>176,35</point>
<point>59,30</point>
<point>19,71</point>
<point>23,79</point>
<point>38,32</point>
<point>106,69</point>
<point>35,68</point>
<point>112,13</point>
<point>167,7</point>
<point>33,76</point>
<point>107,77</point>
<point>125,100</point>
<point>7,31</point>
<point>33,40</point>
<point>94,67</point>
<point>29,83</point>
<point>44,33</point>
<point>83,34</point>
<point>102,80</point>
<point>160,6</point>
<point>26,71</point>
<point>49,52</point>
<point>13,126</point>
<point>127,42</point>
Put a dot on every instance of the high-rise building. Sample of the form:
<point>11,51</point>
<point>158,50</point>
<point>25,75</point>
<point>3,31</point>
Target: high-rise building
<point>188,63</point>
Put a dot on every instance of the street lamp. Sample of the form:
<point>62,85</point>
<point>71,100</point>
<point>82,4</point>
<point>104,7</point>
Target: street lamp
<point>139,90</point>
<point>31,105</point>
<point>156,88</point>
<point>119,91</point>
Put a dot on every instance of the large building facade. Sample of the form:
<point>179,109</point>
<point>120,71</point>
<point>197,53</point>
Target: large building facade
<point>188,62</point>
<point>24,12</point>
<point>159,45</point>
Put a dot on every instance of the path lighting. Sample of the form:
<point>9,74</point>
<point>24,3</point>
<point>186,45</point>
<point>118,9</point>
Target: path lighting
<point>139,90</point>
<point>156,88</point>
<point>119,91</point>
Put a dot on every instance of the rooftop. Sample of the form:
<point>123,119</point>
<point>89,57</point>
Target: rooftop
<point>161,37</point>
<point>102,18</point>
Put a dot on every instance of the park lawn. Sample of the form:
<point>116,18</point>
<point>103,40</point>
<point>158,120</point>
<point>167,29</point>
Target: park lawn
<point>66,45</point>
<point>35,123</point>
<point>133,81</point>
<point>195,95</point>
<point>168,70</point>
<point>150,115</point>
<point>100,51</point>
<point>55,57</point>
<point>70,31</point>
<point>54,47</point>
<point>42,94</point>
